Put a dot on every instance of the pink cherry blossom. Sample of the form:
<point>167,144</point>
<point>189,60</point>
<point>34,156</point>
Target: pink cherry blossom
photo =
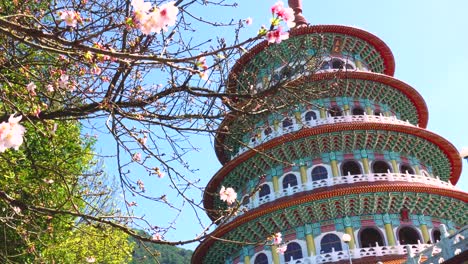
<point>48,181</point>
<point>36,111</point>
<point>281,249</point>
<point>50,88</point>
<point>141,6</point>
<point>168,14</point>
<point>96,70</point>
<point>141,185</point>
<point>156,20</point>
<point>90,259</point>
<point>277,239</point>
<point>248,21</point>
<point>287,15</point>
<point>151,23</point>
<point>143,140</point>
<point>201,64</point>
<point>203,75</point>
<point>276,36</point>
<point>16,209</point>
<point>136,157</point>
<point>464,153</point>
<point>132,204</point>
<point>156,237</point>
<point>158,172</point>
<point>277,7</point>
<point>71,18</point>
<point>63,81</point>
<point>11,134</point>
<point>31,87</point>
<point>228,195</point>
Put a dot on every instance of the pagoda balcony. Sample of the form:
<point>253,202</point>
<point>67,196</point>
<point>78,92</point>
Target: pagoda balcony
<point>265,136</point>
<point>257,201</point>
<point>360,253</point>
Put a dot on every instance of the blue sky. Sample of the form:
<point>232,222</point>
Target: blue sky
<point>428,40</point>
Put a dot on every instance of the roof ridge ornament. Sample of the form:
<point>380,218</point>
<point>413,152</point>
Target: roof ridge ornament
<point>299,19</point>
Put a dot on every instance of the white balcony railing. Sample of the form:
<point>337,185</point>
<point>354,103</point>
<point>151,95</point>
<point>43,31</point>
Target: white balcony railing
<point>349,179</point>
<point>262,138</point>
<point>359,253</point>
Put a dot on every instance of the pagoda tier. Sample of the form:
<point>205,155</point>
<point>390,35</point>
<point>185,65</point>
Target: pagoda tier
<point>338,146</point>
<point>382,98</point>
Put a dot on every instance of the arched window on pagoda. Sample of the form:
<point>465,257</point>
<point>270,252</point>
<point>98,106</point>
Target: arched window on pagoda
<point>350,167</point>
<point>267,131</point>
<point>358,111</point>
<point>408,236</point>
<point>289,180</point>
<point>330,241</point>
<point>335,111</point>
<point>325,65</point>
<point>369,237</point>
<point>293,251</point>
<point>406,168</point>
<point>311,115</point>
<point>261,259</point>
<point>381,166</point>
<point>319,173</point>
<point>377,113</point>
<point>264,190</point>
<point>337,64</point>
<point>436,235</point>
<point>287,122</point>
<point>349,66</point>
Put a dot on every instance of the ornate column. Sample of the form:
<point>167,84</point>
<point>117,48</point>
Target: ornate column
<point>349,230</point>
<point>245,252</point>
<point>298,117</point>
<point>365,161</point>
<point>424,231</point>
<point>389,229</point>
<point>275,184</point>
<point>310,241</point>
<point>303,171</point>
<point>334,165</point>
<point>393,160</point>
<point>323,113</point>
<point>274,254</point>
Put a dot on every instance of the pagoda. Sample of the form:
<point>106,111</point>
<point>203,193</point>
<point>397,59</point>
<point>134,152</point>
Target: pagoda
<point>337,149</point>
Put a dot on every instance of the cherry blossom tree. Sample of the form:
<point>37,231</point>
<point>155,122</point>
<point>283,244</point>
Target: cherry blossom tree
<point>136,71</point>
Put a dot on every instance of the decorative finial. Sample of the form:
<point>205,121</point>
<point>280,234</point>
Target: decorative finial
<point>296,5</point>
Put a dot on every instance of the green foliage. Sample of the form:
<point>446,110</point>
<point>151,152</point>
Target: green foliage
<point>43,172</point>
<point>104,244</point>
<point>150,253</point>
<point>48,171</point>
